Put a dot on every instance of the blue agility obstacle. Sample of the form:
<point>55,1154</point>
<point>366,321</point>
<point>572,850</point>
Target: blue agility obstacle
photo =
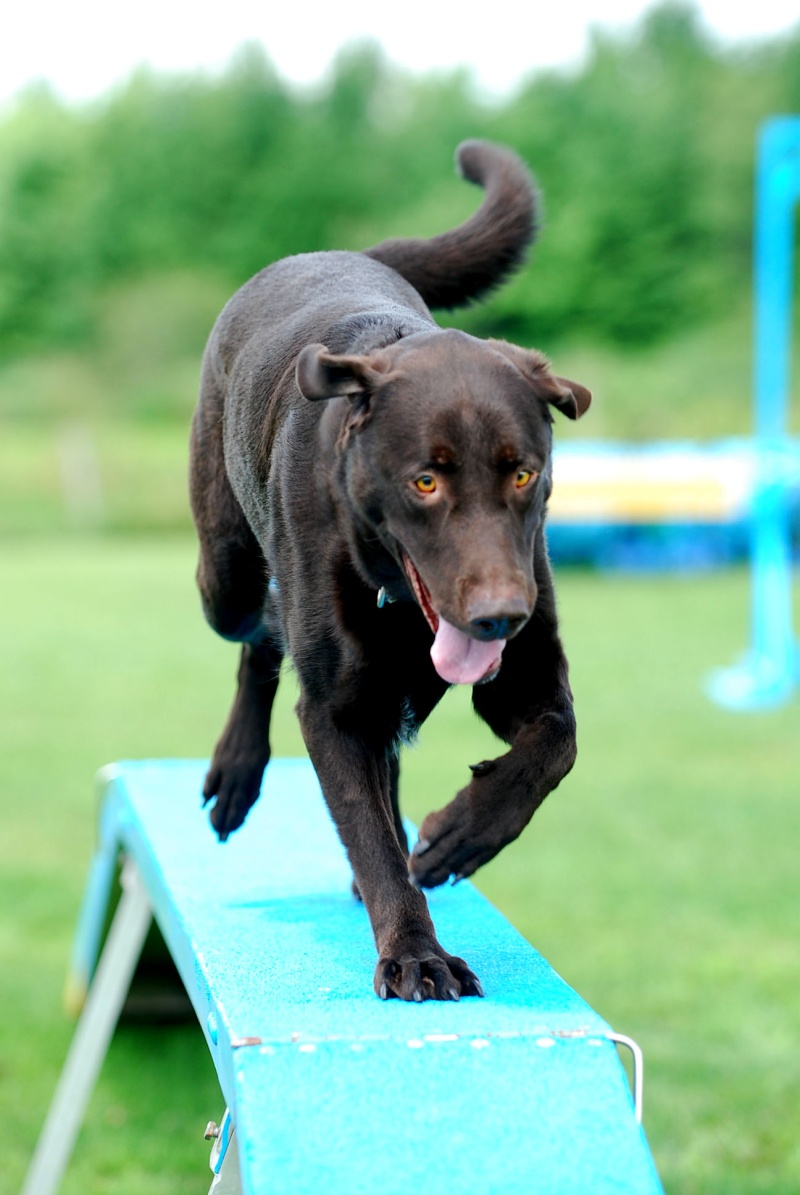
<point>327,1087</point>
<point>771,669</point>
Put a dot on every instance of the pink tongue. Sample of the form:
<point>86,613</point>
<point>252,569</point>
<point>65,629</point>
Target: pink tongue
<point>463,661</point>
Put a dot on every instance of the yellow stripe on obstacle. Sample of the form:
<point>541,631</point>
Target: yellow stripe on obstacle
<point>650,485</point>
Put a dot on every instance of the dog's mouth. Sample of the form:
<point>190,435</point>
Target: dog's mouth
<point>457,657</point>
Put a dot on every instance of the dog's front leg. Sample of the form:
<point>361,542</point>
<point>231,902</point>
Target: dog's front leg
<point>537,719</point>
<point>355,780</point>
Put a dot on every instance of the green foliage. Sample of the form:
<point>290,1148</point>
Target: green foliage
<point>644,155</point>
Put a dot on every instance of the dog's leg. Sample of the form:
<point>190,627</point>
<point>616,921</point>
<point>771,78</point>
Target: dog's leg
<point>394,800</point>
<point>232,577</point>
<point>232,574</point>
<point>356,781</point>
<point>529,705</point>
<point>394,805</point>
<point>242,753</point>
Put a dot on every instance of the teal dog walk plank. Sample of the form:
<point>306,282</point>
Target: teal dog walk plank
<point>329,1087</point>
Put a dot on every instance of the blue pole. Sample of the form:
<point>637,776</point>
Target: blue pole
<point>769,672</point>
<point>779,188</point>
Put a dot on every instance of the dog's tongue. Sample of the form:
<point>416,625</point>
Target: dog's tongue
<point>463,661</point>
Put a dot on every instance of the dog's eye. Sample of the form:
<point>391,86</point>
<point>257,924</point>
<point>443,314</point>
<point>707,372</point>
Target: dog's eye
<point>523,478</point>
<point>425,484</point>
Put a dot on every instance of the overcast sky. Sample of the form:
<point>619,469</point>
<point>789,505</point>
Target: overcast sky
<point>85,46</point>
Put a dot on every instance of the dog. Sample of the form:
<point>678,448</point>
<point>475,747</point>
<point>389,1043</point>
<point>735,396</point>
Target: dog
<point>370,491</point>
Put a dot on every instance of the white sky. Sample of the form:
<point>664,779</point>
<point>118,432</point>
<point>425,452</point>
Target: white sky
<point>85,46</point>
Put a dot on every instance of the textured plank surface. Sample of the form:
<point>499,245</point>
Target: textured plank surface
<point>330,1088</point>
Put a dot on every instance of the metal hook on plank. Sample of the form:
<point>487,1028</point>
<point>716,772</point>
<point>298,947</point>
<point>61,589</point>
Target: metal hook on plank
<point>620,1039</point>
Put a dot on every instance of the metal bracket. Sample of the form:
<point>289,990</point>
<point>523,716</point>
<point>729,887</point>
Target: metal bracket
<point>224,1160</point>
<point>620,1039</point>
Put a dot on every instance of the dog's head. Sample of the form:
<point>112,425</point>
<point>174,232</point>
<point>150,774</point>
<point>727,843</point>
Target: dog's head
<point>446,455</point>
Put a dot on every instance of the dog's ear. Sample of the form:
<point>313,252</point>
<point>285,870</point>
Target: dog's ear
<point>570,398</point>
<point>320,374</point>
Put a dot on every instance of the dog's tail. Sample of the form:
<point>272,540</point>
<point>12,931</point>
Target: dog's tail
<point>463,264</point>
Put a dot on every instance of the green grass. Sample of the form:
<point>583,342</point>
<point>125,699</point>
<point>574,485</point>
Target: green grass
<point>93,474</point>
<point>660,880</point>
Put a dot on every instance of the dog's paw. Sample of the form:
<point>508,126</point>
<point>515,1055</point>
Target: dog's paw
<point>471,830</point>
<point>425,976</point>
<point>446,849</point>
<point>236,788</point>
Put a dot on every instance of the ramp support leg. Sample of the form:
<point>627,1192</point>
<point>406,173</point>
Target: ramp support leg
<point>92,1037</point>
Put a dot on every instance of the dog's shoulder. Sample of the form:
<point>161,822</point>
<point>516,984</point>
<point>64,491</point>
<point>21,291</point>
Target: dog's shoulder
<point>344,300</point>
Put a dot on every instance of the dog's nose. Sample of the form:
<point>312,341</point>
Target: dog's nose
<point>498,626</point>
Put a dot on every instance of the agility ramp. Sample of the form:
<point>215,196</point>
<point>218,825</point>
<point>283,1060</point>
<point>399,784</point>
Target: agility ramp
<point>327,1087</point>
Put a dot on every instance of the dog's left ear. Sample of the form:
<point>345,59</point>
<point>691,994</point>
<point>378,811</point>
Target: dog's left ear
<point>570,398</point>
<point>320,374</point>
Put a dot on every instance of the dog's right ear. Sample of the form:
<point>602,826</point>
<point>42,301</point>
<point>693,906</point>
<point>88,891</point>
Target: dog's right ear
<point>570,398</point>
<point>320,374</point>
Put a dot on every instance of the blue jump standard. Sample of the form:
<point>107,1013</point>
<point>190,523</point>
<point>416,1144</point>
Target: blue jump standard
<point>329,1088</point>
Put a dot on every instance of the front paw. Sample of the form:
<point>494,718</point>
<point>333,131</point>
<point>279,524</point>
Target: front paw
<point>421,973</point>
<point>471,830</point>
<point>236,784</point>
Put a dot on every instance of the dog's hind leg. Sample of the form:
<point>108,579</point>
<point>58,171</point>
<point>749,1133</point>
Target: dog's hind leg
<point>232,581</point>
<point>243,751</point>
<point>232,577</point>
<point>232,573</point>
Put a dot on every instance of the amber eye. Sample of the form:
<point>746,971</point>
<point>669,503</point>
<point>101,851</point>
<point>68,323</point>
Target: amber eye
<point>523,477</point>
<point>425,484</point>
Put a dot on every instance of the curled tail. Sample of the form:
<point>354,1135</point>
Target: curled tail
<point>465,263</point>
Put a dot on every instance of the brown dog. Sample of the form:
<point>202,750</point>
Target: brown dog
<point>370,492</point>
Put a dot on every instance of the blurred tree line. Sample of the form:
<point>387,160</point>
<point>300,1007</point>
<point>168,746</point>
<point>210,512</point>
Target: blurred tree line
<point>644,156</point>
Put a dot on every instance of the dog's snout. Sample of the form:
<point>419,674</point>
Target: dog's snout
<point>498,626</point>
<point>498,611</point>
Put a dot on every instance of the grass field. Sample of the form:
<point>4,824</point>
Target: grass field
<point>660,880</point>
